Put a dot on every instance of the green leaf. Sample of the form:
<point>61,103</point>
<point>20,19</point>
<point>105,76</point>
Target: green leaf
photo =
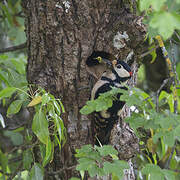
<point>57,106</point>
<point>116,168</point>
<point>37,172</point>
<point>135,120</point>
<point>86,149</point>
<point>7,92</point>
<point>19,66</point>
<point>169,175</point>
<point>165,23</point>
<point>74,178</point>
<point>62,107</point>
<point>27,159</point>
<point>60,128</point>
<point>15,137</point>
<point>156,5</point>
<point>49,153</point>
<point>85,164</point>
<point>106,150</point>
<point>170,100</point>
<point>87,109</point>
<point>154,171</point>
<point>45,98</point>
<point>14,107</point>
<point>40,127</point>
<point>94,170</point>
<point>177,132</point>
<point>4,78</point>
<point>3,161</point>
<point>169,138</point>
<point>177,69</point>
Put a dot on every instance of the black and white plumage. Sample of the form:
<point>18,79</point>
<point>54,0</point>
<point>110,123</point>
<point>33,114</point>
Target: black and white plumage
<point>115,75</point>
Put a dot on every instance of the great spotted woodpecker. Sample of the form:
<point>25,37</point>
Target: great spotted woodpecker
<point>116,73</point>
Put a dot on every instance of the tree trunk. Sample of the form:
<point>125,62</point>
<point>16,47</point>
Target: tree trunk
<point>60,37</point>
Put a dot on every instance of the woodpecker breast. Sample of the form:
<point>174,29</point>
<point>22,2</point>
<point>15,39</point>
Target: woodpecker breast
<point>117,72</point>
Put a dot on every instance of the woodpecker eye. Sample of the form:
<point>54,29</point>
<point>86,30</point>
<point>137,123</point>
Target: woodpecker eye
<point>119,66</point>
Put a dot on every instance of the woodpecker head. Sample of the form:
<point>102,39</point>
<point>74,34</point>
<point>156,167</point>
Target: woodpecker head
<point>121,68</point>
<point>98,62</point>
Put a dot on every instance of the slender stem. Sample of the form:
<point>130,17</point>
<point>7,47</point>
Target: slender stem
<point>13,48</point>
<point>158,92</point>
<point>148,52</point>
<point>24,92</point>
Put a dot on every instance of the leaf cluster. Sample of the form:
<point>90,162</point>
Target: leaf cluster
<point>103,102</point>
<point>100,161</point>
<point>163,128</point>
<point>162,16</point>
<point>47,124</point>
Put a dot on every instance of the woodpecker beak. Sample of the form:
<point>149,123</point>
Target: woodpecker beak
<point>130,73</point>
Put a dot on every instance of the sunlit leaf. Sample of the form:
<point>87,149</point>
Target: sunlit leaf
<point>36,100</point>
<point>7,92</point>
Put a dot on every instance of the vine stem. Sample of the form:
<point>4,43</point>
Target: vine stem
<point>171,71</point>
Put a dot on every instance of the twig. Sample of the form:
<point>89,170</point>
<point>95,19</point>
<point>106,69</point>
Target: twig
<point>19,14</point>
<point>171,70</point>
<point>13,48</point>
<point>177,35</point>
<point>149,52</point>
<point>175,42</point>
<point>176,79</point>
<point>15,159</point>
<point>170,157</point>
<point>158,92</point>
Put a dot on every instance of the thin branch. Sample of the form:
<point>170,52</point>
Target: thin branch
<point>149,52</point>
<point>19,14</point>
<point>13,48</point>
<point>177,35</point>
<point>170,157</point>
<point>175,42</point>
<point>176,79</point>
<point>158,92</point>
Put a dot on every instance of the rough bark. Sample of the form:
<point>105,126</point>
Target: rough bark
<point>60,37</point>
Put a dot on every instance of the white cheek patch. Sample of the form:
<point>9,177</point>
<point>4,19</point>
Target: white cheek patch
<point>122,72</point>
